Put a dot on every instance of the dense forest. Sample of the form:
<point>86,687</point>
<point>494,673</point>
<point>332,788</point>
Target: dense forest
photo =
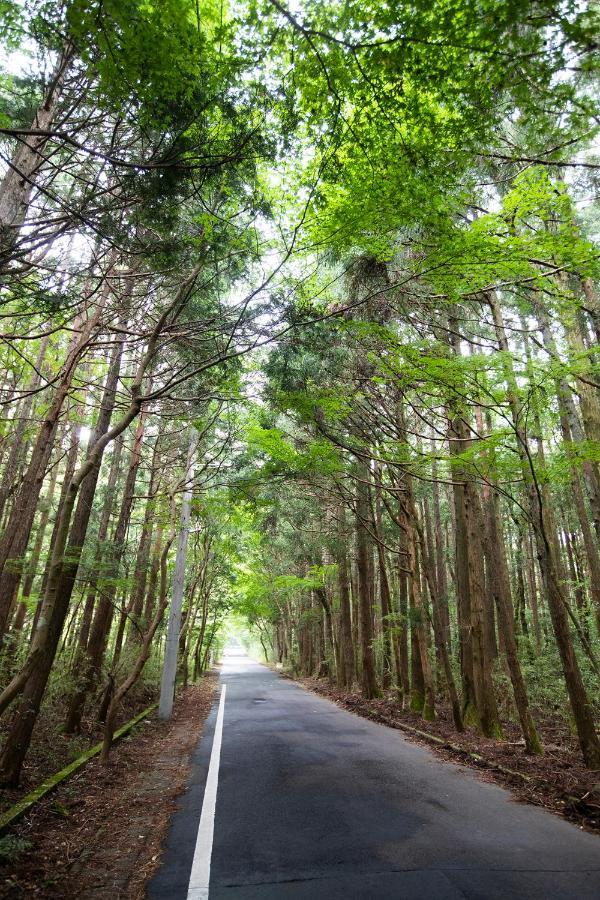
<point>300,322</point>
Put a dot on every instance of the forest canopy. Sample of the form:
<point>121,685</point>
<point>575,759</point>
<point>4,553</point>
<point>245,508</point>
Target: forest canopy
<point>315,285</point>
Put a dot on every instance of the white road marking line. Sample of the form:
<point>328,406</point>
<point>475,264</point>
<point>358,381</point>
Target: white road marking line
<point>200,876</point>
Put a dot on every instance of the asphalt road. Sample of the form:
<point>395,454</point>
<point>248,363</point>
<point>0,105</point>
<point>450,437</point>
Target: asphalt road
<point>314,802</point>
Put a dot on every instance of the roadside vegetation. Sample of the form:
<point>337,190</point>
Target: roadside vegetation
<point>333,267</point>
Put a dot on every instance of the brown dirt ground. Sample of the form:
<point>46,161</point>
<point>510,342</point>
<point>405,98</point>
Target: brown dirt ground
<point>100,834</point>
<point>51,750</point>
<point>558,780</point>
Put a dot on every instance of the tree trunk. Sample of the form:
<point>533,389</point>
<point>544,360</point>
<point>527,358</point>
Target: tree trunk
<point>19,446</point>
<point>402,642</point>
<point>419,629</point>
<point>438,628</point>
<point>83,669</point>
<point>13,543</point>
<point>369,680</point>
<point>37,550</point>
<point>503,600</point>
<point>347,667</point>
<point>18,184</point>
<point>544,530</point>
<point>384,589</point>
<point>479,702</point>
<point>121,534</point>
<point>136,626</point>
<point>144,653</point>
<point>591,547</point>
<point>169,673</point>
<point>31,681</point>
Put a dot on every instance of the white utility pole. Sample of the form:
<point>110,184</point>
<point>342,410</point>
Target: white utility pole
<point>169,672</point>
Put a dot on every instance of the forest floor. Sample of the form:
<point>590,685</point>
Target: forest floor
<point>558,780</point>
<point>100,834</point>
<point>51,750</point>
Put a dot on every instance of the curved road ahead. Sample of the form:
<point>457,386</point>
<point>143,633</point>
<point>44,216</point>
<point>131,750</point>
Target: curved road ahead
<point>311,801</point>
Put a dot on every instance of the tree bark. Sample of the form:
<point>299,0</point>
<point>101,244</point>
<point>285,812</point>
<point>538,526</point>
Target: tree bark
<point>19,446</point>
<point>544,530</point>
<point>347,667</point>
<point>83,668</point>
<point>369,680</point>
<point>13,543</point>
<point>438,627</point>
<point>18,184</point>
<point>144,653</point>
<point>31,681</point>
<point>169,673</point>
